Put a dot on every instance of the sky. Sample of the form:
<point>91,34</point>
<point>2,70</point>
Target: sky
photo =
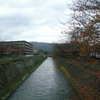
<point>32,20</point>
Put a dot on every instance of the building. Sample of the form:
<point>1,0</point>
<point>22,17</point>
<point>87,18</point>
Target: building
<point>26,46</point>
<point>35,51</point>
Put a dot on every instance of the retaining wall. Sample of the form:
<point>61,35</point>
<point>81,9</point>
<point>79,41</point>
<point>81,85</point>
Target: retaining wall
<point>10,73</point>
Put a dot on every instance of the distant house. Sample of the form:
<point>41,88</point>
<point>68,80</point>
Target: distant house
<point>16,47</point>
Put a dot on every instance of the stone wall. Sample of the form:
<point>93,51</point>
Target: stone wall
<point>10,73</point>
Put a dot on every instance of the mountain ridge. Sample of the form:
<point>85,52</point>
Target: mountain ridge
<point>43,45</point>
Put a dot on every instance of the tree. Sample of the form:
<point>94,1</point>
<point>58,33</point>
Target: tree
<point>85,25</point>
<point>10,49</point>
<point>85,40</point>
<point>85,30</point>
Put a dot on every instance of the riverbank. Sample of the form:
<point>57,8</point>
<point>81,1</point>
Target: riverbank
<point>16,74</point>
<point>82,76</point>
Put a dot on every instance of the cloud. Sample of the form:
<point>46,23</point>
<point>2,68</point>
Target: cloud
<point>31,19</point>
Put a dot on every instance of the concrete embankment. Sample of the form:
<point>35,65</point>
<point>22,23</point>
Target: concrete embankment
<point>12,75</point>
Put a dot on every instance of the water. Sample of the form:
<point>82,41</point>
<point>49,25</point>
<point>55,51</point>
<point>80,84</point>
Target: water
<point>47,82</point>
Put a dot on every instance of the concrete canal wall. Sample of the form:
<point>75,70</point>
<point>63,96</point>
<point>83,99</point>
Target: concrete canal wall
<point>13,74</point>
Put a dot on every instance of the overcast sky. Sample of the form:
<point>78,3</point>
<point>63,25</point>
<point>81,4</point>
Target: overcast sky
<point>32,20</point>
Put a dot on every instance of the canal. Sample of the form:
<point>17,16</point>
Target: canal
<point>47,82</point>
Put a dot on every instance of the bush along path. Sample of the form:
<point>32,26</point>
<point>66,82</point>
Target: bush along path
<point>83,80</point>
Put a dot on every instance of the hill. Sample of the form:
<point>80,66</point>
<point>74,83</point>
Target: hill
<point>44,46</point>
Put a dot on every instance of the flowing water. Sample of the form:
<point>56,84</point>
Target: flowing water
<point>47,82</point>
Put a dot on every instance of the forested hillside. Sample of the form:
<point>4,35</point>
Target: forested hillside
<point>43,46</point>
